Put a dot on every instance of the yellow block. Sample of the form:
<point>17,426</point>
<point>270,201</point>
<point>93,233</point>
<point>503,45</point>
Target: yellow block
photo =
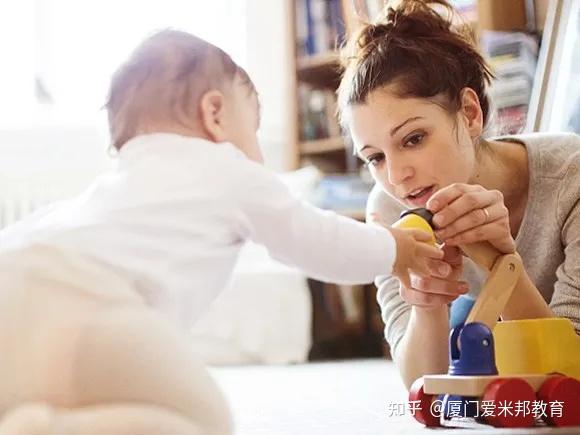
<point>537,346</point>
<point>414,221</point>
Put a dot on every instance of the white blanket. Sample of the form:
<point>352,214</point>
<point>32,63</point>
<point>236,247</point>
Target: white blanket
<point>264,317</point>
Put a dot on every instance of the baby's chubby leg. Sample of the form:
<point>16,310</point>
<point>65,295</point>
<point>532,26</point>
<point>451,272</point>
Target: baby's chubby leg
<point>132,355</point>
<point>132,374</point>
<point>114,419</point>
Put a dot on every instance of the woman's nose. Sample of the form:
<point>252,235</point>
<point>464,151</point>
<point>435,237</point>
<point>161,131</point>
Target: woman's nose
<point>399,171</point>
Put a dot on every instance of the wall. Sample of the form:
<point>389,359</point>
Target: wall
<point>43,163</point>
<point>270,57</point>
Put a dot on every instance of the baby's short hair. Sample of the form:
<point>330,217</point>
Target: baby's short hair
<point>163,80</point>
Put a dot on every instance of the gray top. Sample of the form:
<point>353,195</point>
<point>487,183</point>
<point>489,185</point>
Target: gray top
<point>548,239</point>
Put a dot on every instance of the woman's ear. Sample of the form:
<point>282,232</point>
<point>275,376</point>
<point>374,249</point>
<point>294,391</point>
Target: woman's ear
<point>471,111</point>
<point>212,111</point>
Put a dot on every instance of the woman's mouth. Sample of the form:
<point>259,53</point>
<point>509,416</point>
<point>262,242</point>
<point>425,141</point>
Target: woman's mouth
<point>419,197</point>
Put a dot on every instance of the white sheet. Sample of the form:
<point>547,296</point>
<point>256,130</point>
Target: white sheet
<point>264,317</point>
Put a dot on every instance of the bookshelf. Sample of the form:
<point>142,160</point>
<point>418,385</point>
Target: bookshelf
<point>321,146</point>
<point>319,28</point>
<point>345,319</point>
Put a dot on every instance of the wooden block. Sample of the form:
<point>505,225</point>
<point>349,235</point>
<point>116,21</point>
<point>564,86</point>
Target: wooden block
<point>496,291</point>
<point>482,253</point>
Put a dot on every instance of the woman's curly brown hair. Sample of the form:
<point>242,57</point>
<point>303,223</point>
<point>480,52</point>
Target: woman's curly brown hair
<point>418,47</point>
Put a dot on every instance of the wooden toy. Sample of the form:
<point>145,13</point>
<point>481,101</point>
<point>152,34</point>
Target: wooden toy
<point>523,372</point>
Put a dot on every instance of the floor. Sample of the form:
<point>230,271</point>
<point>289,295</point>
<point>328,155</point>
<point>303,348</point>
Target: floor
<point>356,397</point>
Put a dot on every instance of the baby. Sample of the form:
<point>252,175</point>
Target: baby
<point>99,291</point>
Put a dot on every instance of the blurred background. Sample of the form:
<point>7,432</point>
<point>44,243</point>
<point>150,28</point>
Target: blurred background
<point>57,59</point>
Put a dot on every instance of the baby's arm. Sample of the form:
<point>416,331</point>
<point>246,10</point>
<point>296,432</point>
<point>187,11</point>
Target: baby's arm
<point>325,245</point>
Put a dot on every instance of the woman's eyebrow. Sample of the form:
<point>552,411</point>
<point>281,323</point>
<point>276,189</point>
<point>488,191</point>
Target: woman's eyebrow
<point>398,127</point>
<point>393,131</point>
<point>359,152</point>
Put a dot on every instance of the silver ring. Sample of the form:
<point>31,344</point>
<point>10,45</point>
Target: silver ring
<point>487,216</point>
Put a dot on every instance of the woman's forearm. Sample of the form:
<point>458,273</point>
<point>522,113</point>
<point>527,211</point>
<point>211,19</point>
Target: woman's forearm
<point>424,347</point>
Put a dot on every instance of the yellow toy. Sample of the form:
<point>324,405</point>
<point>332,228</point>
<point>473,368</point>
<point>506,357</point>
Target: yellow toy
<point>416,219</point>
<point>533,364</point>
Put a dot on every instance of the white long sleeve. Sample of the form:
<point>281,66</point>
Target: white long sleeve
<point>173,214</point>
<point>323,244</point>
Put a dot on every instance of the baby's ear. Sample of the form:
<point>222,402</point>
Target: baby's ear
<point>212,113</point>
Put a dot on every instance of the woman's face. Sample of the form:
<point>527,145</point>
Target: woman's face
<point>413,147</point>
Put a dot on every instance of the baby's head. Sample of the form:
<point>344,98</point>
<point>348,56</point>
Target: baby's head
<point>175,82</point>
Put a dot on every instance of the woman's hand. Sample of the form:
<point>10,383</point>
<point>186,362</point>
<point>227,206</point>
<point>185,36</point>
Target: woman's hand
<point>465,213</point>
<point>442,286</point>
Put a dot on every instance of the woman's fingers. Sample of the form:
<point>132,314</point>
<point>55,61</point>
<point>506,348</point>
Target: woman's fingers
<point>438,286</point>
<point>440,199</point>
<point>463,207</point>
<point>491,232</point>
<point>475,218</point>
<point>453,256</point>
<point>439,269</point>
<point>419,268</point>
<point>466,214</point>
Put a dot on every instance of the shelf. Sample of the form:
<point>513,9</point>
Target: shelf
<point>317,61</point>
<point>320,146</point>
<point>321,70</point>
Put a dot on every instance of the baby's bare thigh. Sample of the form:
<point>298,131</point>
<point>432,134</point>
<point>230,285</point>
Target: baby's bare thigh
<point>39,328</point>
<point>130,354</point>
<point>76,352</point>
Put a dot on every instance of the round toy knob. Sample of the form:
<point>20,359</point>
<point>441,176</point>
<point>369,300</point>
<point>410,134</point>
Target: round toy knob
<point>419,219</point>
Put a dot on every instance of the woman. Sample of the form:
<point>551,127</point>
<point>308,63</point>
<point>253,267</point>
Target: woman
<point>413,97</point>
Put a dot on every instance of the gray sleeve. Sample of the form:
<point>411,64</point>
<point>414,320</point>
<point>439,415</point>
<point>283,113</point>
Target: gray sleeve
<point>566,298</point>
<point>395,312</point>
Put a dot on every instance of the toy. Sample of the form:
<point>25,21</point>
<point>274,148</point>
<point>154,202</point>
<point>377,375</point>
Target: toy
<point>532,364</point>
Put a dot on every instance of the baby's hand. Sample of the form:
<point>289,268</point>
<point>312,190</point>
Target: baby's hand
<point>414,253</point>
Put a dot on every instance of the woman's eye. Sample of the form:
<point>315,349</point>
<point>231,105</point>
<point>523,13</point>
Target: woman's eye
<point>414,139</point>
<point>374,160</point>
